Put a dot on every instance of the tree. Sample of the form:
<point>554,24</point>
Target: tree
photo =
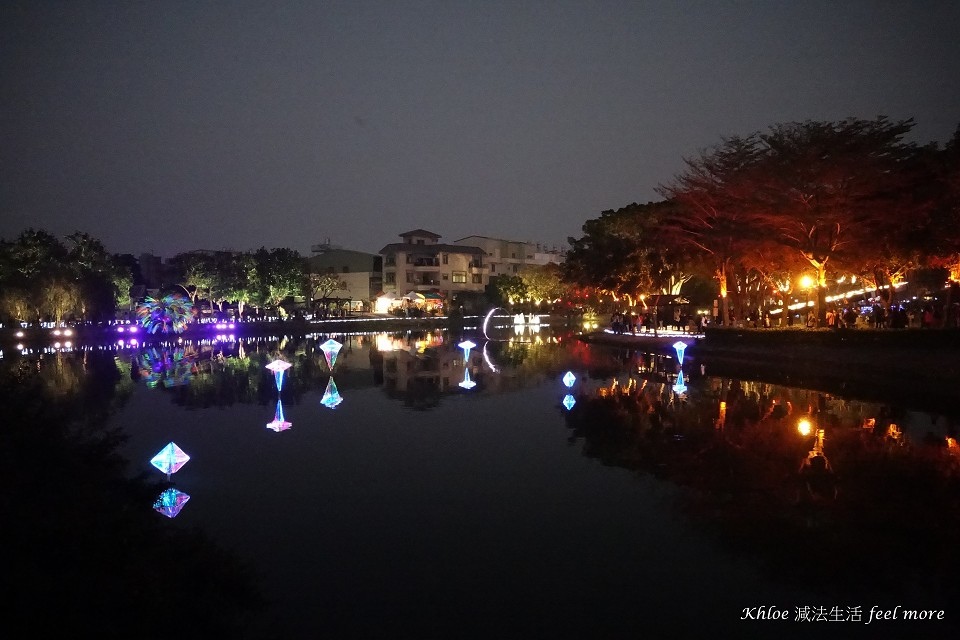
<point>321,285</point>
<point>237,280</point>
<point>717,218</point>
<point>826,185</point>
<point>509,289</point>
<point>542,283</point>
<point>280,274</point>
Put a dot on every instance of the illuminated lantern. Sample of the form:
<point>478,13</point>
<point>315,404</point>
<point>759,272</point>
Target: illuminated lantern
<point>279,367</point>
<point>330,350</point>
<point>466,345</point>
<point>467,382</point>
<point>170,459</point>
<point>569,401</point>
<point>680,347</point>
<point>170,502</point>
<point>679,388</point>
<point>569,379</point>
<point>331,396</point>
<point>279,424</point>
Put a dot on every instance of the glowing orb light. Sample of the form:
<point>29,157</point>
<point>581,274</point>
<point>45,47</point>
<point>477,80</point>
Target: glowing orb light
<point>569,401</point>
<point>279,424</point>
<point>170,459</point>
<point>279,367</point>
<point>804,427</point>
<point>330,350</point>
<point>467,382</point>
<point>331,396</point>
<point>679,347</point>
<point>569,379</point>
<point>170,502</point>
<point>680,388</point>
<point>466,345</point>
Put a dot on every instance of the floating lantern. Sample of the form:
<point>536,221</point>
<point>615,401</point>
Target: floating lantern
<point>330,350</point>
<point>170,502</point>
<point>170,459</point>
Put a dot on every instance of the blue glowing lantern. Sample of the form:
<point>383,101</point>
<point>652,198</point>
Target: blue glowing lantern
<point>330,350</point>
<point>569,401</point>
<point>279,367</point>
<point>279,423</point>
<point>569,379</point>
<point>680,347</point>
<point>170,501</point>
<point>679,388</point>
<point>467,382</point>
<point>466,345</point>
<point>331,396</point>
<point>170,459</point>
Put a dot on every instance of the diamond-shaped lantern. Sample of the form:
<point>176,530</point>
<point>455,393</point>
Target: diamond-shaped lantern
<point>679,347</point>
<point>679,388</point>
<point>170,459</point>
<point>279,367</point>
<point>569,401</point>
<point>466,345</point>
<point>170,502</point>
<point>279,424</point>
<point>569,379</point>
<point>467,382</point>
<point>331,396</point>
<point>330,350</point>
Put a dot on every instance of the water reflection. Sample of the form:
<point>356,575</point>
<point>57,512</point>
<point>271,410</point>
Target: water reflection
<point>788,475</point>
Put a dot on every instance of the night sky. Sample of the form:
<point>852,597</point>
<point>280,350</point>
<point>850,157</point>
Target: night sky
<point>169,126</point>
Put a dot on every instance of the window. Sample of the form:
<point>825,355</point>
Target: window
<point>409,276</point>
<point>513,255</point>
<point>389,260</point>
<point>493,268</point>
<point>516,269</point>
<point>445,276</point>
<point>419,241</point>
<point>478,278</point>
<point>460,276</point>
<point>409,258</point>
<point>389,278</point>
<point>446,258</point>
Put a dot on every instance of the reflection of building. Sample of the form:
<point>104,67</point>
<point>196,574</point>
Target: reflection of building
<point>420,371</point>
<point>509,256</point>
<point>421,263</point>
<point>360,272</point>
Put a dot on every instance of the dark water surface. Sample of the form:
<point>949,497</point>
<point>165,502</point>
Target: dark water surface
<point>419,508</point>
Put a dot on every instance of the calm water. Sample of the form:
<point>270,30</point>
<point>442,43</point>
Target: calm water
<point>420,507</point>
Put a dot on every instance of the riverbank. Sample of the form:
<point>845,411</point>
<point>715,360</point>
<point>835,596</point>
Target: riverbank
<point>909,366</point>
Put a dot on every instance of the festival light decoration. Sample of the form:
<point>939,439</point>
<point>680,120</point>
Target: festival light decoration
<point>170,459</point>
<point>679,388</point>
<point>279,367</point>
<point>466,345</point>
<point>330,350</point>
<point>170,502</point>
<point>467,383</point>
<point>171,368</point>
<point>569,379</point>
<point>679,347</point>
<point>569,401</point>
<point>331,395</point>
<point>170,314</point>
<point>279,423</point>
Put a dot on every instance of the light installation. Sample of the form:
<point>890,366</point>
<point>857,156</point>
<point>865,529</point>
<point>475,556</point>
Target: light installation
<point>569,401</point>
<point>569,379</point>
<point>467,383</point>
<point>170,502</point>
<point>331,395</point>
<point>466,345</point>
<point>330,350</point>
<point>279,423</point>
<point>680,347</point>
<point>170,459</point>
<point>169,314</point>
<point>279,367</point>
<point>679,388</point>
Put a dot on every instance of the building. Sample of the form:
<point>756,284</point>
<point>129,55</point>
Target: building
<point>361,273</point>
<point>421,263</point>
<point>510,257</point>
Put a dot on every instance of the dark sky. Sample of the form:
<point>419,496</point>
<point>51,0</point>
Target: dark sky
<point>168,126</point>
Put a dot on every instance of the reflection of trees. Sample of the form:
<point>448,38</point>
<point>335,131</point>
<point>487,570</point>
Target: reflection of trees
<point>90,554</point>
<point>736,450</point>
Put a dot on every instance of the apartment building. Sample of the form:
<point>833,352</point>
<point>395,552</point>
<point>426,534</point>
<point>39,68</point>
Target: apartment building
<point>422,263</point>
<point>509,256</point>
